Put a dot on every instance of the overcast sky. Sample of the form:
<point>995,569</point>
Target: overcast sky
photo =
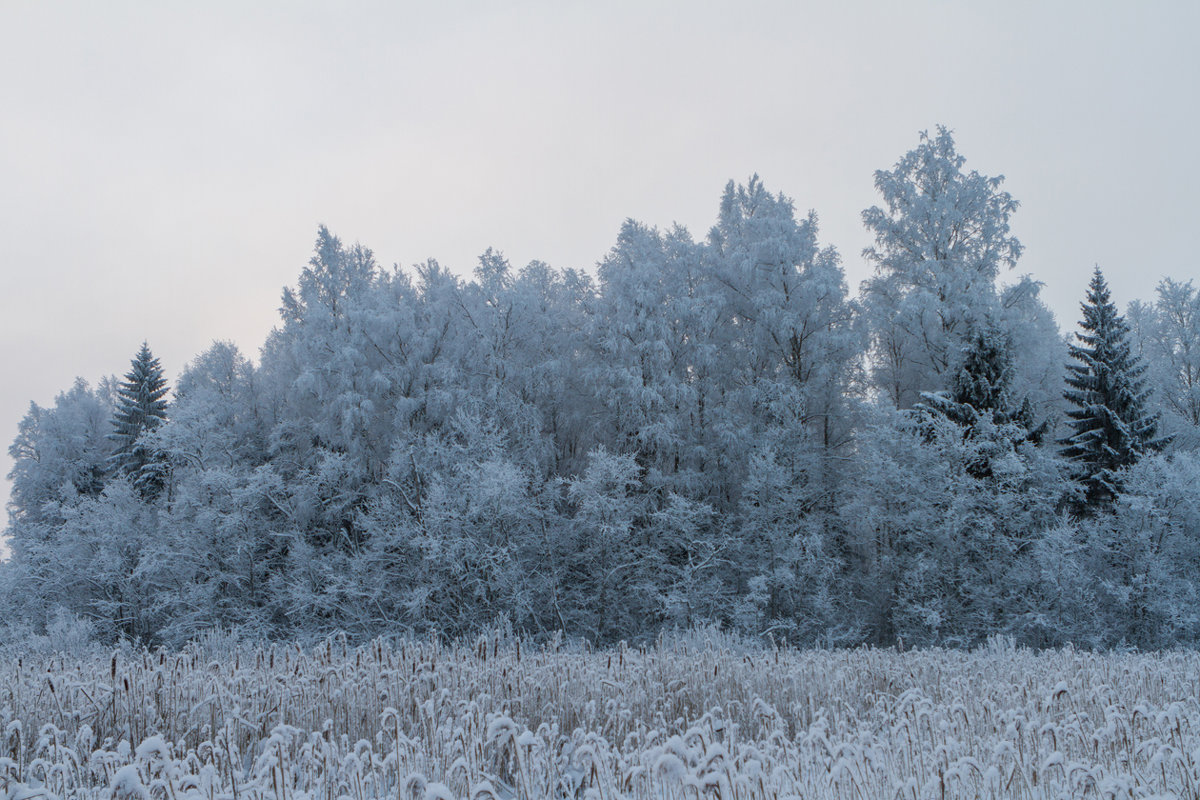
<point>164,166</point>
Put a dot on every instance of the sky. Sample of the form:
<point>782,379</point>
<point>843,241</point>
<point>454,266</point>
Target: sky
<point>164,166</point>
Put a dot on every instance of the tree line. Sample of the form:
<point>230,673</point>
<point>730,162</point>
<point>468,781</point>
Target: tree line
<point>709,431</point>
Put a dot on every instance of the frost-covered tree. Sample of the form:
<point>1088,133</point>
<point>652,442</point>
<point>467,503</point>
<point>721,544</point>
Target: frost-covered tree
<point>785,292</point>
<point>1166,335</point>
<point>932,544</point>
<point>60,451</point>
<point>94,566</point>
<point>1111,427</point>
<point>141,407</point>
<point>941,239</point>
<point>1038,348</point>
<point>217,415</point>
<point>321,362</point>
<point>982,383</point>
<point>1151,555</point>
<point>651,330</point>
<point>605,594</point>
<point>481,523</point>
<point>788,554</point>
<point>210,565</point>
<point>791,334</point>
<point>76,531</point>
<point>1124,579</point>
<point>786,360</point>
<point>342,381</point>
<point>981,402</point>
<point>60,459</point>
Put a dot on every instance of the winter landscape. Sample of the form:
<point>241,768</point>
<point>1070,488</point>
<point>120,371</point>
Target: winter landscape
<point>709,436</point>
<point>732,510</point>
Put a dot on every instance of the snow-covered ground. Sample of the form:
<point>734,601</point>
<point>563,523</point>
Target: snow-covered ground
<point>691,716</point>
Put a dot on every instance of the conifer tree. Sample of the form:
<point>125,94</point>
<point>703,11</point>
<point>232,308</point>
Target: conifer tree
<point>1111,428</point>
<point>982,404</point>
<point>983,385</point>
<point>141,408</point>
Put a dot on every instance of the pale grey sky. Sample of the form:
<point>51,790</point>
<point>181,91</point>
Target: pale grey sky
<point>164,166</point>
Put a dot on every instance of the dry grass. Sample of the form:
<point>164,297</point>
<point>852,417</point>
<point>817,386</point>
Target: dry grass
<point>691,717</point>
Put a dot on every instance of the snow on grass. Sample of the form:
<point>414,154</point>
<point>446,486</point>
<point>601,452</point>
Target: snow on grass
<point>697,716</point>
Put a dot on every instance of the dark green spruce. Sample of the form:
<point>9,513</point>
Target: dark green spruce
<point>141,407</point>
<point>1110,427</point>
<point>982,391</point>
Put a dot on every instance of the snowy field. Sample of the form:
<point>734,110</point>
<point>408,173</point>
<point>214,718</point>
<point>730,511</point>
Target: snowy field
<point>690,717</point>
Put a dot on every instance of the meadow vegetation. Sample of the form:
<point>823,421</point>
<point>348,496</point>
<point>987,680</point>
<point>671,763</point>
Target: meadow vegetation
<point>688,716</point>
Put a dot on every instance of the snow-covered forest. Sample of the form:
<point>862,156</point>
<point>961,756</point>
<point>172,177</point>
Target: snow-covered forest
<point>705,431</point>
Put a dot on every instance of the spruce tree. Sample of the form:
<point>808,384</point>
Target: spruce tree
<point>981,401</point>
<point>981,384</point>
<point>1110,426</point>
<point>141,408</point>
